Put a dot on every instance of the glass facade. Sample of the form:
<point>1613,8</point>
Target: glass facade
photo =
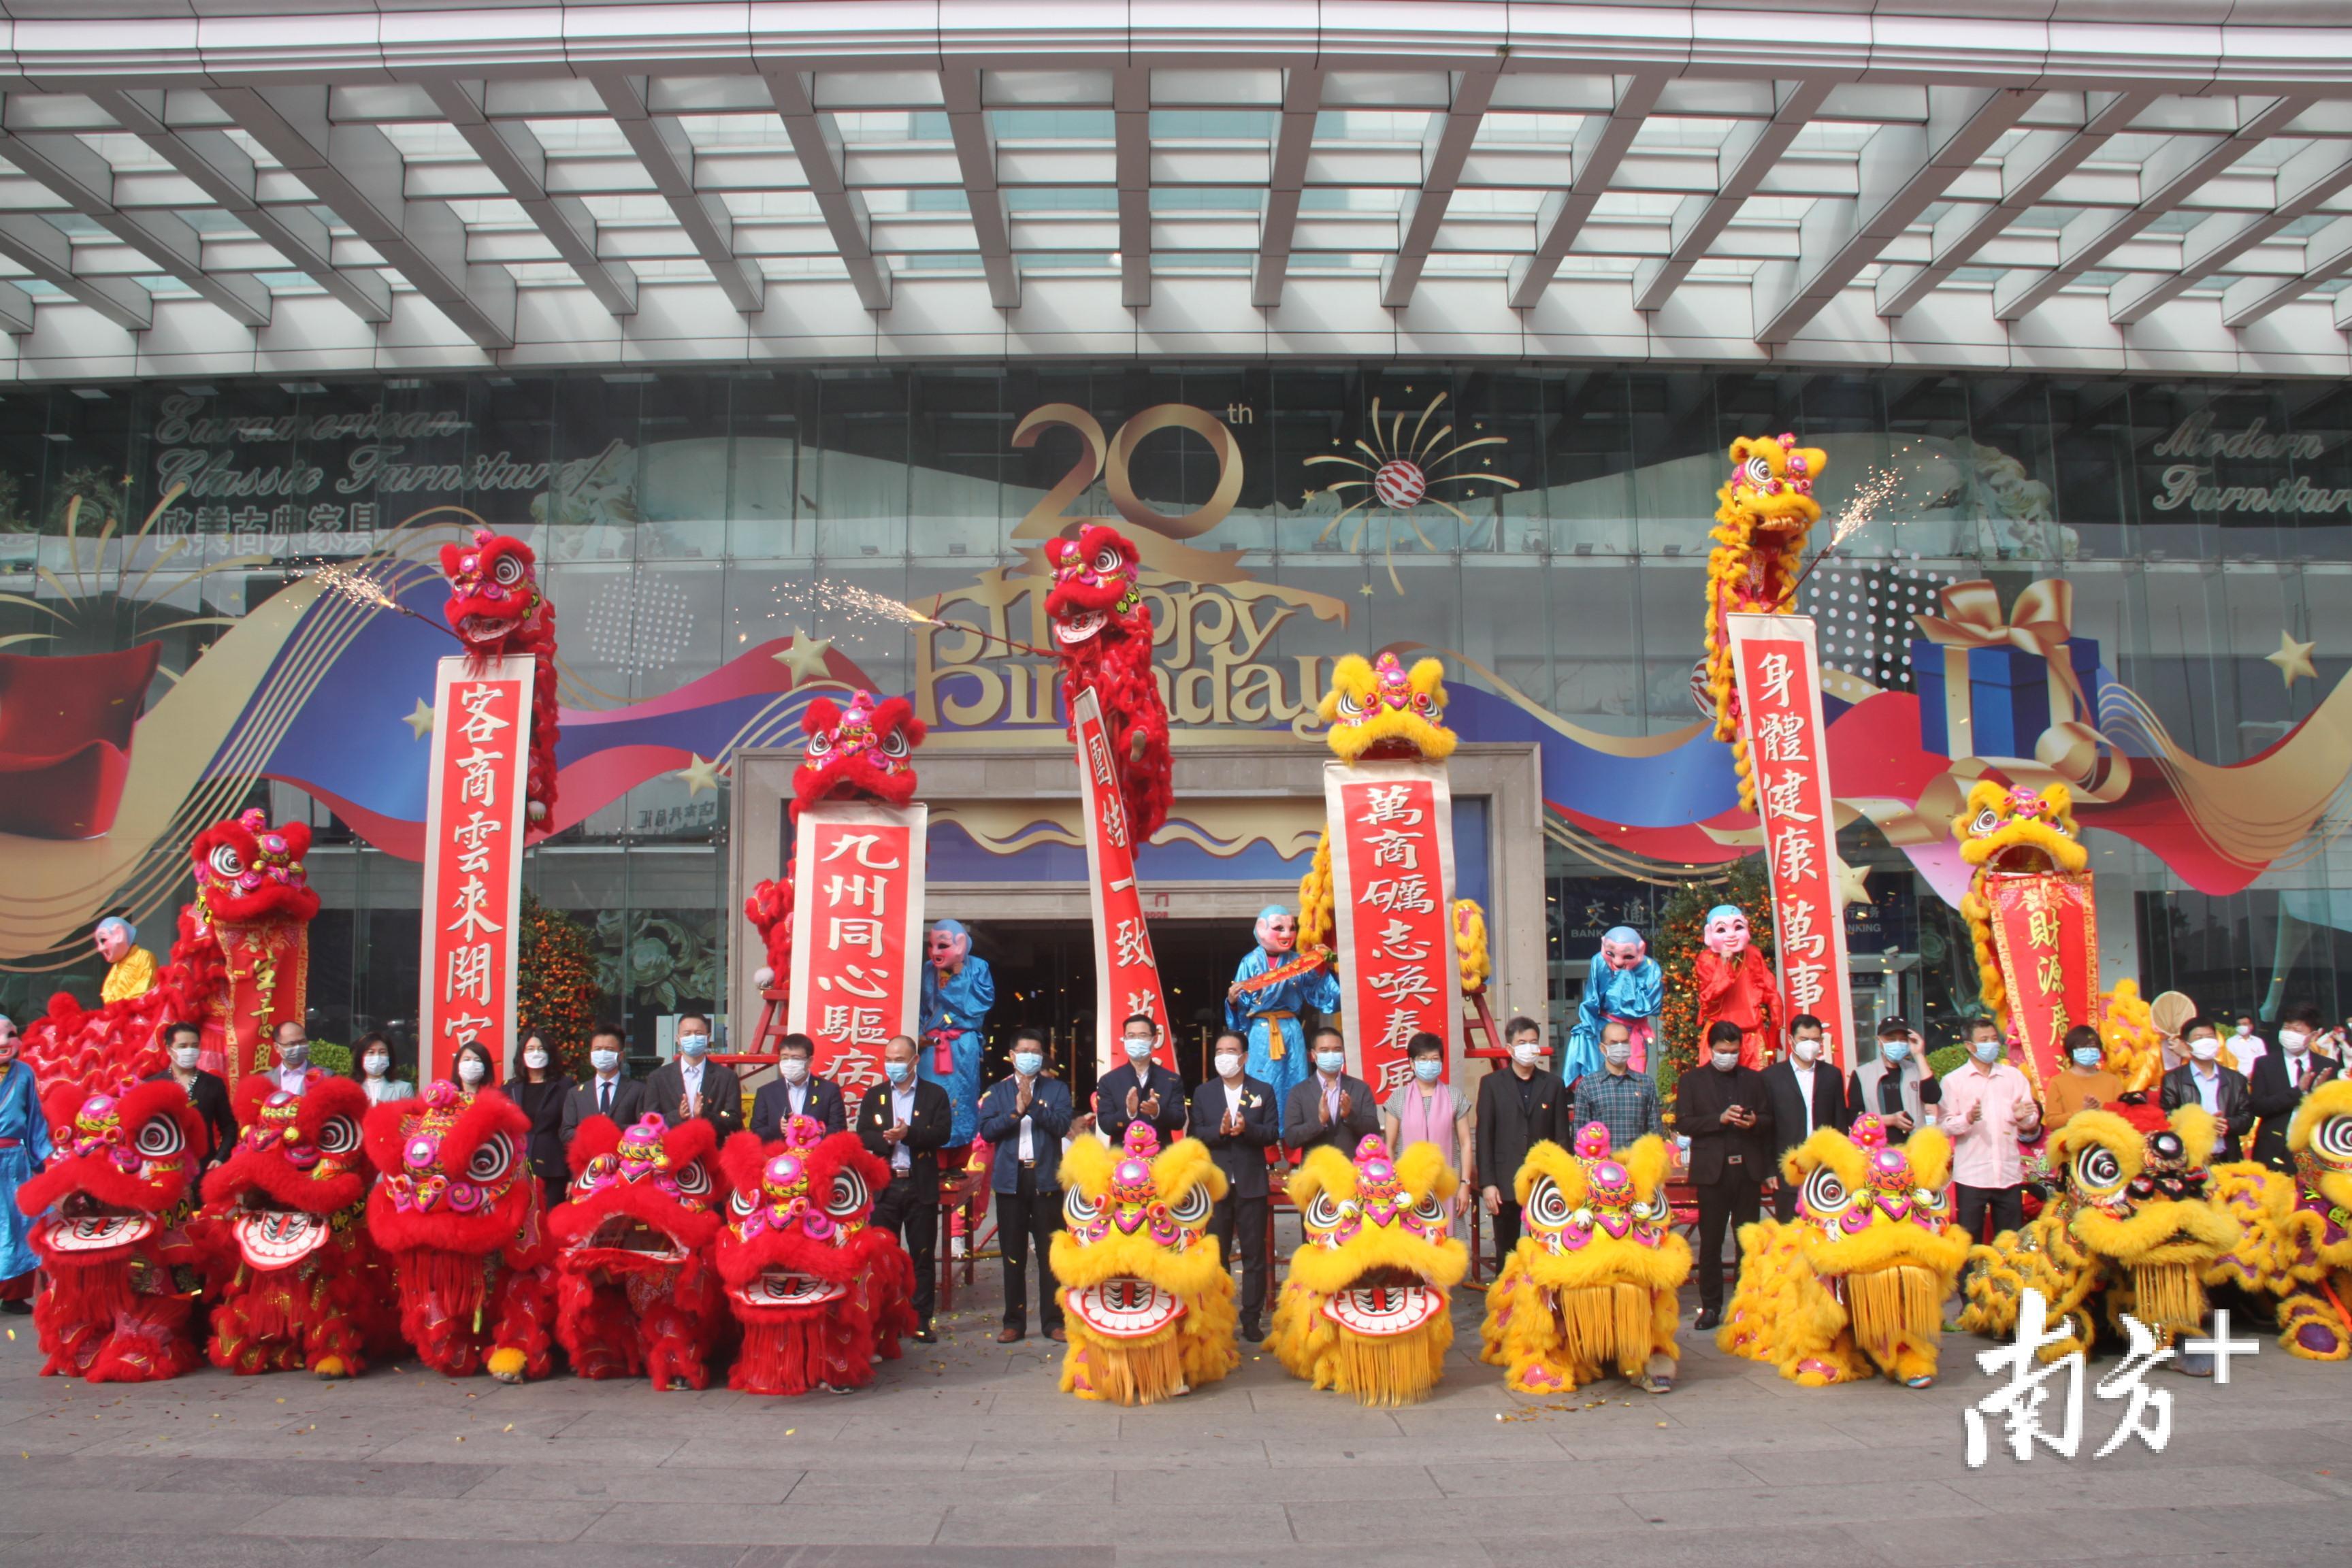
<point>1557,547</point>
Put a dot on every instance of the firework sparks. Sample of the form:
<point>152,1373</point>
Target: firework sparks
<point>823,599</point>
<point>1399,473</point>
<point>345,580</point>
<point>1877,487</point>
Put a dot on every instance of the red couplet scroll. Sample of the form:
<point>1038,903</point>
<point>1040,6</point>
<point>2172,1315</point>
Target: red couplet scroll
<point>1127,977</point>
<point>858,875</point>
<point>1392,826</point>
<point>473,860</point>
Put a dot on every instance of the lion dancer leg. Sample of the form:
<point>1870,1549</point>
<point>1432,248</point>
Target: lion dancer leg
<point>679,1330</point>
<point>782,1355</point>
<point>523,1340</point>
<point>597,1326</point>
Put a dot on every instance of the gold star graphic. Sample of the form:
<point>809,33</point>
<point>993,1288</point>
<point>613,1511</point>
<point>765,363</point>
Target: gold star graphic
<point>2292,659</point>
<point>698,776</point>
<point>1366,590</point>
<point>805,658</point>
<point>1850,884</point>
<point>420,723</point>
<point>1306,497</point>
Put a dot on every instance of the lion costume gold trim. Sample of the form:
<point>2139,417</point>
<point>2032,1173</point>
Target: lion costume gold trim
<point>2298,1241</point>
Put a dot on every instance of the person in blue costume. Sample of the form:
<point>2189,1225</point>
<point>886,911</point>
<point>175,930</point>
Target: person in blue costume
<point>23,1150</point>
<point>1624,983</point>
<point>958,992</point>
<point>1268,1016</point>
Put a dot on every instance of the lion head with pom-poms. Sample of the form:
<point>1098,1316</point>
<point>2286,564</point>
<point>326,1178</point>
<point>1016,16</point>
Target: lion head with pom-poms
<point>866,753</point>
<point>634,1292</point>
<point>1589,1289</point>
<point>1102,634</point>
<point>1380,709</point>
<point>1761,516</point>
<point>1151,1305</point>
<point>1855,1283</point>
<point>248,871</point>
<point>2297,1243</point>
<point>496,608</point>
<point>1364,1308</point>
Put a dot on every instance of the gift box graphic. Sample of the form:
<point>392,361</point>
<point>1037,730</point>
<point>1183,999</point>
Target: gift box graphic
<point>1992,685</point>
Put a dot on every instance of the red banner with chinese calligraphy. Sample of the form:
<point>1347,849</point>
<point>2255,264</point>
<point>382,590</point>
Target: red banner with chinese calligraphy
<point>1778,675</point>
<point>268,974</point>
<point>473,860</point>
<point>1126,975</point>
<point>858,933</point>
<point>2045,932</point>
<point>1391,828</point>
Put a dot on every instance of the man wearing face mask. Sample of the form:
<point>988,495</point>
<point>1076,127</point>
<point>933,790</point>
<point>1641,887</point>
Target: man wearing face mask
<point>373,1061</point>
<point>1897,1086</point>
<point>1139,1088</point>
<point>903,1122</point>
<point>2083,1084</point>
<point>1617,1097</point>
<point>1518,1108</point>
<point>1024,1118</point>
<point>2246,1048</point>
<point>2204,1080</point>
<point>1721,1108</point>
<point>1331,1107</point>
<point>1988,1107</point>
<point>2280,1081</point>
<point>609,1091</point>
<point>23,1150</point>
<point>1234,1116</point>
<point>1804,1093</point>
<point>797,1091</point>
<point>694,1085</point>
<point>208,1092</point>
<point>294,1073</point>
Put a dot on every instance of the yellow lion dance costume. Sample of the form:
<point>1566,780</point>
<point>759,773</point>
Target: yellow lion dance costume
<point>2130,1229</point>
<point>1856,1285</point>
<point>2005,829</point>
<point>2297,1246</point>
<point>1762,514</point>
<point>1590,1288</point>
<point>1150,1312</point>
<point>1364,1309</point>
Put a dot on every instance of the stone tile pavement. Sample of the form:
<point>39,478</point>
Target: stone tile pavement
<point>966,1456</point>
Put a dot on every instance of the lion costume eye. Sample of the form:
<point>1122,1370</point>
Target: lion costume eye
<point>1826,1194</point>
<point>226,862</point>
<point>1322,1213</point>
<point>692,1180</point>
<point>508,570</point>
<point>1987,821</point>
<point>2333,1138</point>
<point>742,1206</point>
<point>1759,472</point>
<point>1192,1208</point>
<point>2097,1170</point>
<point>491,1161</point>
<point>1108,561</point>
<point>849,1195</point>
<point>819,743</point>
<point>1428,1210</point>
<point>159,1138</point>
<point>1348,707</point>
<point>894,744</point>
<point>341,1135</point>
<point>1546,1204</point>
<point>1080,1209</point>
<point>1927,1199</point>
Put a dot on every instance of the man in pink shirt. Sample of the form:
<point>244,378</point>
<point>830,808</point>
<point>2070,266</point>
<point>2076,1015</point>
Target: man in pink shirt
<point>1988,1106</point>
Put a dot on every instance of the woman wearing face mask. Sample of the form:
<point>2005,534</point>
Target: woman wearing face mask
<point>2084,1084</point>
<point>471,1068</point>
<point>371,1064</point>
<point>541,1091</point>
<point>1430,1111</point>
<point>208,1092</point>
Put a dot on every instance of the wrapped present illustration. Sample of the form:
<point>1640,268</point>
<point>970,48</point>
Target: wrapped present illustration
<point>1996,685</point>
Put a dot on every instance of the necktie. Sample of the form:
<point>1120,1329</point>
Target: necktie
<point>605,1096</point>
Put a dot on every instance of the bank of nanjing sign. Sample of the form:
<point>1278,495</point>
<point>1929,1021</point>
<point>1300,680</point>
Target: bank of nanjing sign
<point>2189,483</point>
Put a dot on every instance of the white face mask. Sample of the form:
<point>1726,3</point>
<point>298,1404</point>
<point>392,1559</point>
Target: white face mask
<point>1228,1064</point>
<point>374,1065</point>
<point>294,1055</point>
<point>2205,1048</point>
<point>1139,1051</point>
<point>535,1058</point>
<point>2293,1040</point>
<point>1527,1053</point>
<point>2244,1029</point>
<point>1805,1051</point>
<point>183,1058</point>
<point>1725,1061</point>
<point>604,1059</point>
<point>469,1070</point>
<point>693,1044</point>
<point>1617,1053</point>
<point>794,1069</point>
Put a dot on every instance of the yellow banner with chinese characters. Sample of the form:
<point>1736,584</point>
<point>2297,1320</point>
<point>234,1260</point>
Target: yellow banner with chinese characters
<point>2045,930</point>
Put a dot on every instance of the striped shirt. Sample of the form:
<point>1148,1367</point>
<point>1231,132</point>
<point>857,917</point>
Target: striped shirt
<point>1626,1104</point>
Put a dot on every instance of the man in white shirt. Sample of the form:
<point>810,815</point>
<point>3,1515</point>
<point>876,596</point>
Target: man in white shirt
<point>609,1093</point>
<point>294,1072</point>
<point>1803,1092</point>
<point>905,1122</point>
<point>1023,1118</point>
<point>1234,1114</point>
<point>694,1085</point>
<point>2245,1045</point>
<point>796,1092</point>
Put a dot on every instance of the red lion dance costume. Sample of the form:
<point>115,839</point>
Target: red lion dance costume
<point>239,968</point>
<point>287,1209</point>
<point>866,753</point>
<point>457,1209</point>
<point>1102,632</point>
<point>496,609</point>
<point>634,1293</point>
<point>818,1291</point>
<point>119,1274</point>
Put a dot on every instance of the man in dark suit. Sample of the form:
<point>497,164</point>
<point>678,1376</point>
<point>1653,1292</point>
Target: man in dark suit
<point>2280,1081</point>
<point>1233,1114</point>
<point>1023,1118</point>
<point>694,1085</point>
<point>1518,1108</point>
<point>1139,1088</point>
<point>207,1091</point>
<point>796,1093</point>
<point>1329,1106</point>
<point>903,1122</point>
<point>609,1091</point>
<point>1721,1108</point>
<point>2203,1080</point>
<point>1803,1094</point>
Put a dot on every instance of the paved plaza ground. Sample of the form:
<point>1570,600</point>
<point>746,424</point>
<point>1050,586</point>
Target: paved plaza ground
<point>965,1453</point>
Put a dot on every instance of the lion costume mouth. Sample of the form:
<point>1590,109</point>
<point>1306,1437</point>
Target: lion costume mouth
<point>98,1232</point>
<point>1125,1308</point>
<point>627,1233</point>
<point>783,1288</point>
<point>485,628</point>
<point>1385,1303</point>
<point>1078,628</point>
<point>271,1239</point>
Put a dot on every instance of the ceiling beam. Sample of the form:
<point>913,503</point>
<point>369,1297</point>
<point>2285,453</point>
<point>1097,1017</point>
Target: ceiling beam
<point>515,157</point>
<point>667,154</point>
<point>1750,148</point>
<point>2327,256</point>
<point>360,176</point>
<point>41,248</point>
<point>1131,113</point>
<point>1903,168</point>
<point>1302,97</point>
<point>975,146</point>
<point>2029,171</point>
<point>2168,175</point>
<point>1600,146</point>
<point>816,143</point>
<point>212,162</point>
<point>2311,176</point>
<point>1444,148</point>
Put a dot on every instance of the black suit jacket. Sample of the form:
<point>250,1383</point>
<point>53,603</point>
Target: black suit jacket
<point>1305,1107</point>
<point>209,1095</point>
<point>1110,1101</point>
<point>927,1134</point>
<point>1506,1130</point>
<point>1701,1098</point>
<point>2275,1095</point>
<point>722,1096</point>
<point>773,1106</point>
<point>1240,1155</point>
<point>1789,1125</point>
<point>628,1104</point>
<point>2235,1101</point>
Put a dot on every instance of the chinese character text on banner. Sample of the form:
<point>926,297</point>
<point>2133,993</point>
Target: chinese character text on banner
<point>857,925</point>
<point>1392,826</point>
<point>1127,977</point>
<point>1780,705</point>
<point>2045,932</point>
<point>473,860</point>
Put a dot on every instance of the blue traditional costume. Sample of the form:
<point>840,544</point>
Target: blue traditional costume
<point>23,1150</point>
<point>1268,1018</point>
<point>1624,983</point>
<point>955,1011</point>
